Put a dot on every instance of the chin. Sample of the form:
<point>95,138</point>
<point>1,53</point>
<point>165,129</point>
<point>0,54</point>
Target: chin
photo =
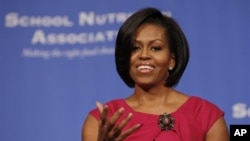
<point>148,84</point>
<point>145,85</point>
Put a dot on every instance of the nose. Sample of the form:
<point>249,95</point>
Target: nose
<point>144,54</point>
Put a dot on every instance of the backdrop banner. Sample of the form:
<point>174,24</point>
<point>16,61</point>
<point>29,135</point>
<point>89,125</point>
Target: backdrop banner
<point>57,60</point>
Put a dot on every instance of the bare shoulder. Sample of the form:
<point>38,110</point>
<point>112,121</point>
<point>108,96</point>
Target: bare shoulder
<point>218,131</point>
<point>90,129</point>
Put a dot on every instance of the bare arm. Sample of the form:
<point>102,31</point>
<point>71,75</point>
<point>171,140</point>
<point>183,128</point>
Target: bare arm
<point>90,129</point>
<point>218,132</point>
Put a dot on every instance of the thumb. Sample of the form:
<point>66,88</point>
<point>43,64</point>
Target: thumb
<point>99,106</point>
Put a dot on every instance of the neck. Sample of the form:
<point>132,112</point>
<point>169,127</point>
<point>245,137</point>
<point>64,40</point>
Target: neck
<point>156,95</point>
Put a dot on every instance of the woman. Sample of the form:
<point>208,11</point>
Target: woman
<point>151,55</point>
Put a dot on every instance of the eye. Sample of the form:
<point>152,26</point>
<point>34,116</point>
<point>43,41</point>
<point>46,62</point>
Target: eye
<point>156,48</point>
<point>136,48</point>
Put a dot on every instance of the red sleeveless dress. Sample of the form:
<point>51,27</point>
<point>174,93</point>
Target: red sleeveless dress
<point>192,121</point>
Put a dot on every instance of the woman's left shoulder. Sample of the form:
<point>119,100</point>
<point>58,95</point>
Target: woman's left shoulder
<point>202,102</point>
<point>201,106</point>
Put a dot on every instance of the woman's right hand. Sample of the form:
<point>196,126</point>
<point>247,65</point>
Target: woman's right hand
<point>108,129</point>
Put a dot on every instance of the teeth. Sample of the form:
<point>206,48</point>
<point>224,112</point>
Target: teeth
<point>145,67</point>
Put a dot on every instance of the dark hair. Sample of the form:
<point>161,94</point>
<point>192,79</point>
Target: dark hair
<point>177,43</point>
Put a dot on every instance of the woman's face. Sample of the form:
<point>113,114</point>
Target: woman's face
<point>150,58</point>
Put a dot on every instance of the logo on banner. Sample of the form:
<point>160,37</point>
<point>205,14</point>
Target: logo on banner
<point>91,34</point>
<point>240,111</point>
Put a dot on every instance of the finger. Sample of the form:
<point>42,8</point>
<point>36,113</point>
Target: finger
<point>99,106</point>
<point>129,131</point>
<point>125,121</point>
<point>110,124</point>
<point>103,110</point>
<point>118,129</point>
<point>116,116</point>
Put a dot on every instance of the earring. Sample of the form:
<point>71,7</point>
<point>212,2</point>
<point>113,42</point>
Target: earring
<point>170,68</point>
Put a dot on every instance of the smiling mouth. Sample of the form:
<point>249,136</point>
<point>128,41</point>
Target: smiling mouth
<point>145,68</point>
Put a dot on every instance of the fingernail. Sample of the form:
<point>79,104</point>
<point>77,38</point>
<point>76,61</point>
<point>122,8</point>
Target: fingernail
<point>121,109</point>
<point>98,103</point>
<point>130,115</point>
<point>138,125</point>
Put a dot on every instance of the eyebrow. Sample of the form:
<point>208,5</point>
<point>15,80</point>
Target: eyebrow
<point>151,41</point>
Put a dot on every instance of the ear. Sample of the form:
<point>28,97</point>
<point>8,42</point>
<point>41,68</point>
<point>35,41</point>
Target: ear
<point>172,62</point>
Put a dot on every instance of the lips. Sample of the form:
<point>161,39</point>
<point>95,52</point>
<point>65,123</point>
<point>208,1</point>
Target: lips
<point>145,68</point>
